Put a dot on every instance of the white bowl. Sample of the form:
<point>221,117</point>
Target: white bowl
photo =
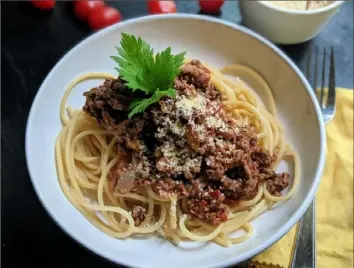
<point>285,26</point>
<point>219,43</point>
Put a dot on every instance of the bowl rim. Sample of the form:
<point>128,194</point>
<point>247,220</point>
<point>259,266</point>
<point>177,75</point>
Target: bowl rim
<point>226,263</point>
<point>333,5</point>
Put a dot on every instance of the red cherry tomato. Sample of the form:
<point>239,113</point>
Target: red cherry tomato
<point>103,17</point>
<point>211,6</point>
<point>161,7</point>
<point>43,5</point>
<point>83,8</point>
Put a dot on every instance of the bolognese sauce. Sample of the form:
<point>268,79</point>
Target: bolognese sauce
<point>187,146</point>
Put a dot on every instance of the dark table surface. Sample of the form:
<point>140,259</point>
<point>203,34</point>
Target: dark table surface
<point>32,43</point>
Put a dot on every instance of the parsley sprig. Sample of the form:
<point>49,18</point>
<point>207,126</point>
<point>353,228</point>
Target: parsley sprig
<point>154,75</point>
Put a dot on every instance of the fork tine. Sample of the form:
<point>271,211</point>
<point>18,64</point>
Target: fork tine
<point>323,78</point>
<point>331,83</point>
<point>308,67</point>
<point>314,83</point>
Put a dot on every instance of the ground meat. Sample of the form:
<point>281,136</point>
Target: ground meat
<point>277,183</point>
<point>138,214</point>
<point>207,205</point>
<point>165,187</point>
<point>108,103</point>
<point>196,74</point>
<point>262,157</point>
<point>188,145</point>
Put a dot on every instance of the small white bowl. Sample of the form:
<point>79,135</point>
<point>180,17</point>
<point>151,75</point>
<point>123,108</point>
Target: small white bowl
<point>286,26</point>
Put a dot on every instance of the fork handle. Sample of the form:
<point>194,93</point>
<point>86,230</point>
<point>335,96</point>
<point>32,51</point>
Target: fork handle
<point>304,255</point>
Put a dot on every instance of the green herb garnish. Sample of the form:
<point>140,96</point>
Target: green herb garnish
<point>142,71</point>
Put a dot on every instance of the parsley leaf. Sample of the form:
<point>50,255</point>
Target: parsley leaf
<point>139,105</point>
<point>144,72</point>
<point>134,63</point>
<point>166,68</point>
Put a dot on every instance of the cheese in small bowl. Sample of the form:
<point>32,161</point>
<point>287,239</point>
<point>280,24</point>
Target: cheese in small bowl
<point>301,5</point>
<point>288,22</point>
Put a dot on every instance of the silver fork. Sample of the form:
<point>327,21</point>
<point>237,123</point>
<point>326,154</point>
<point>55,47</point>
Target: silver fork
<point>304,255</point>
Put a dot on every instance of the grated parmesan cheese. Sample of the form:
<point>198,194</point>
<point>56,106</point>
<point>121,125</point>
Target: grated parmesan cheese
<point>186,106</point>
<point>215,122</point>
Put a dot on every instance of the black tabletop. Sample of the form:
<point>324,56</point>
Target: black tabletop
<point>32,43</point>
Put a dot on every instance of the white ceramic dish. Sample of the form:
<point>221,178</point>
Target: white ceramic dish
<point>218,43</point>
<point>286,26</point>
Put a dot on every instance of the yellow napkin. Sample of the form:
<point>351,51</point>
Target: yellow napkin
<point>334,199</point>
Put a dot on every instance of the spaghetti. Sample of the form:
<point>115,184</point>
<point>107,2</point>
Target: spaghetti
<point>86,152</point>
